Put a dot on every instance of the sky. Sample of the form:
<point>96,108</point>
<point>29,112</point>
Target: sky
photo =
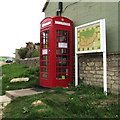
<point>19,23</point>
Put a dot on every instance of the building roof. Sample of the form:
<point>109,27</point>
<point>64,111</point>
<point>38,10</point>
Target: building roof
<point>45,6</point>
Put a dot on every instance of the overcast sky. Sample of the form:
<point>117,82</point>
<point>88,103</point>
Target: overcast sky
<point>19,23</point>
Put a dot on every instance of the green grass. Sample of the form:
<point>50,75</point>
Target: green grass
<point>16,70</point>
<point>86,102</point>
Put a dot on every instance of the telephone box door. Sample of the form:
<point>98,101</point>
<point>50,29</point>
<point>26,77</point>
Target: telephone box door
<point>44,56</point>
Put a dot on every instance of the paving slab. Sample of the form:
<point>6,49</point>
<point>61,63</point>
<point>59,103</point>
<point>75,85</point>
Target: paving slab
<point>0,116</point>
<point>4,99</point>
<point>1,113</point>
<point>24,92</point>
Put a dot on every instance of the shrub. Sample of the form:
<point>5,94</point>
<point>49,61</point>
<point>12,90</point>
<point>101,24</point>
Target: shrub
<point>22,52</point>
<point>35,53</point>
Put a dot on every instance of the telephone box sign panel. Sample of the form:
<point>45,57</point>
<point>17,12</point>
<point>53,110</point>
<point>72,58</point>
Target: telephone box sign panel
<point>45,24</point>
<point>44,51</point>
<point>90,37</point>
<point>62,23</point>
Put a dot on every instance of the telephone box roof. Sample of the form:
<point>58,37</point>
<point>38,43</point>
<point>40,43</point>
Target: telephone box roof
<point>54,17</point>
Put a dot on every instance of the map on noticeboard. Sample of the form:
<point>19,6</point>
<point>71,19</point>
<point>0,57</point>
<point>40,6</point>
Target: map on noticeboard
<point>88,37</point>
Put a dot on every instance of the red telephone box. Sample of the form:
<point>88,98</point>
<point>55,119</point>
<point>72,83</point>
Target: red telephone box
<point>56,52</point>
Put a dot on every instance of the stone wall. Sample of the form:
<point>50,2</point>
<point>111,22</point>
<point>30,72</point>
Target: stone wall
<point>31,62</point>
<point>91,70</point>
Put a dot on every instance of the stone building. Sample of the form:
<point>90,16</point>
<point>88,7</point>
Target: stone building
<point>17,56</point>
<point>91,65</point>
<point>29,60</point>
<point>30,48</point>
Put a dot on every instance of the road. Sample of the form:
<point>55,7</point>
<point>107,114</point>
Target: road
<point>2,63</point>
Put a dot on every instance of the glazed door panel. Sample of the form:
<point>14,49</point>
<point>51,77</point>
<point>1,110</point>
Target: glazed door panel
<point>44,54</point>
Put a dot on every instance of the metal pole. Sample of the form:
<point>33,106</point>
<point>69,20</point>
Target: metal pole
<point>104,57</point>
<point>105,72</point>
<point>76,69</point>
<point>0,80</point>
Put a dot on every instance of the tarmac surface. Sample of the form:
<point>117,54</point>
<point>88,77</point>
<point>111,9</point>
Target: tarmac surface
<point>2,63</point>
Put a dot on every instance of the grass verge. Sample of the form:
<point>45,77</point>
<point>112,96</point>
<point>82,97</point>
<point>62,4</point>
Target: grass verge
<point>15,70</point>
<point>83,101</point>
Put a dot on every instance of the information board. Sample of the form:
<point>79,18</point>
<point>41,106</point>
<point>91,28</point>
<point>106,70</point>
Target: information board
<point>90,37</point>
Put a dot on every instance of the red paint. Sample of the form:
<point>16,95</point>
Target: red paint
<point>56,43</point>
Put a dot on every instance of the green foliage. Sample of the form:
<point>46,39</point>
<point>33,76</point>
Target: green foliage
<point>25,110</point>
<point>85,102</point>
<point>35,53</point>
<point>22,53</point>
<point>16,70</point>
<point>58,90</point>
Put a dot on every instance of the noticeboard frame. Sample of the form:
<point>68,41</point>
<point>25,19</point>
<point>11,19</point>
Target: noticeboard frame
<point>102,36</point>
<point>102,49</point>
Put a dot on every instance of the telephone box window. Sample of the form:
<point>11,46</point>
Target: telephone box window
<point>62,32</point>
<point>62,63</point>
<point>62,38</point>
<point>44,69</point>
<point>62,76</point>
<point>45,63</point>
<point>62,57</point>
<point>44,54</point>
<point>62,51</point>
<point>45,57</point>
<point>45,45</point>
<point>45,36</point>
<point>59,76</point>
<point>45,76</point>
<point>63,70</point>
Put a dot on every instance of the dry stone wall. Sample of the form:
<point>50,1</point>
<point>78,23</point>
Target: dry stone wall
<point>31,62</point>
<point>91,70</point>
